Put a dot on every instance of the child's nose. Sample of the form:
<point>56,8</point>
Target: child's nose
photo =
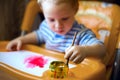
<point>58,25</point>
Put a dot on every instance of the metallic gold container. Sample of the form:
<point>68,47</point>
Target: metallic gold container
<point>58,69</point>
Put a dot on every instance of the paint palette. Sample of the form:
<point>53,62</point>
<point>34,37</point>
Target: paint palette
<point>29,62</point>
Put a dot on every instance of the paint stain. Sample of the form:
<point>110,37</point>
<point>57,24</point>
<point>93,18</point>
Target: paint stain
<point>34,61</point>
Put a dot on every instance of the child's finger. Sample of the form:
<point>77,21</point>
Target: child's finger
<point>9,47</point>
<point>78,59</point>
<point>73,56</point>
<point>68,53</point>
<point>67,49</point>
<point>19,45</point>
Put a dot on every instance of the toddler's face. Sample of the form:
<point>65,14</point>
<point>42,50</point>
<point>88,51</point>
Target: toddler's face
<point>60,18</point>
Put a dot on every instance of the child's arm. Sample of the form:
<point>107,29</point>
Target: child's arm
<point>78,53</point>
<point>30,38</point>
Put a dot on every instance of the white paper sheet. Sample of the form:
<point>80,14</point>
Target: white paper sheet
<point>18,60</point>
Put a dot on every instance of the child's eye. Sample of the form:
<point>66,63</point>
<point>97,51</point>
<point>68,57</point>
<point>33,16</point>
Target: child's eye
<point>51,20</point>
<point>65,19</point>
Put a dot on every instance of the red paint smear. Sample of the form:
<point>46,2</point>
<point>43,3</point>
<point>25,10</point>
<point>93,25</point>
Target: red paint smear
<point>34,61</point>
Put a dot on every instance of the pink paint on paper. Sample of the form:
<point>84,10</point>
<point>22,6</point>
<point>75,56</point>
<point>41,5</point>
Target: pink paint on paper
<point>34,61</point>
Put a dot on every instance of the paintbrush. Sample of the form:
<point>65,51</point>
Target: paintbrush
<point>67,62</point>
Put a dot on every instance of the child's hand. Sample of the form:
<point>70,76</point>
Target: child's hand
<point>75,53</point>
<point>14,45</point>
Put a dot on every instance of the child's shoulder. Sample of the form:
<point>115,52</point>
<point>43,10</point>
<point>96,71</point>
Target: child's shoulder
<point>79,25</point>
<point>43,24</point>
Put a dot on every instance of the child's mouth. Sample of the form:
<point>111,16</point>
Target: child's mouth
<point>59,31</point>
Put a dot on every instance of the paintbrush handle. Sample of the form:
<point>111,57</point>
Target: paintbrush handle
<point>72,45</point>
<point>74,39</point>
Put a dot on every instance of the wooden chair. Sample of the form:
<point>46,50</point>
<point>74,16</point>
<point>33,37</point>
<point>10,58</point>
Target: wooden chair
<point>102,18</point>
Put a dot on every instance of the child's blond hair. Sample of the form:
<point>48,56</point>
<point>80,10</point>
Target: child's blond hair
<point>73,3</point>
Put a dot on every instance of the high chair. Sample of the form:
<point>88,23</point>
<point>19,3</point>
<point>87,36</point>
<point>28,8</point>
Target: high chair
<point>102,18</point>
<point>31,11</point>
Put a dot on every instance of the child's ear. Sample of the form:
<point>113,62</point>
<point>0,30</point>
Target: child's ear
<point>76,8</point>
<point>75,11</point>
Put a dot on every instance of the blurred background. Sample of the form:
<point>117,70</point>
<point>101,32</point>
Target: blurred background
<point>11,15</point>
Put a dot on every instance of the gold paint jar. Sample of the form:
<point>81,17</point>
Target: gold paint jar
<point>58,69</point>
